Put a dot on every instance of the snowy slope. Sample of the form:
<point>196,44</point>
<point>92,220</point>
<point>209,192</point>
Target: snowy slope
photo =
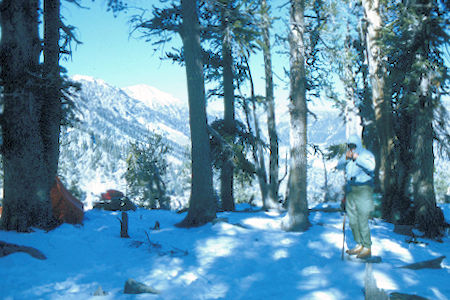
<point>245,257</point>
<point>94,151</point>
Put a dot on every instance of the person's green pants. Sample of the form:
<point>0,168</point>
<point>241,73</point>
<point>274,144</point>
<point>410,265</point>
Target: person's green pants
<point>359,205</point>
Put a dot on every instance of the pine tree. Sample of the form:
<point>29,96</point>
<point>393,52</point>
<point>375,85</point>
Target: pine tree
<point>202,207</point>
<point>146,172</point>
<point>270,102</point>
<point>26,181</point>
<point>297,216</point>
<point>184,20</point>
<point>226,176</point>
<point>52,107</point>
<point>417,77</point>
<point>383,109</point>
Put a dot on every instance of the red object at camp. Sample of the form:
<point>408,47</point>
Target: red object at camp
<point>66,208</point>
<point>112,194</point>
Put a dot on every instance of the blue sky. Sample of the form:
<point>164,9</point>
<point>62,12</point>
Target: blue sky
<point>109,53</point>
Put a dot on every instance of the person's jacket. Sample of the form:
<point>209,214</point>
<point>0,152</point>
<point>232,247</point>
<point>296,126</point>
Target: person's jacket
<point>359,171</point>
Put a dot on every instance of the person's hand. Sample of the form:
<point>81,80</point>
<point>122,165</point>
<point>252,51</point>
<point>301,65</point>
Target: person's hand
<point>351,155</point>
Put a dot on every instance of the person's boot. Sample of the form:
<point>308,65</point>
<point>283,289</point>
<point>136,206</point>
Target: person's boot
<point>355,250</point>
<point>364,253</point>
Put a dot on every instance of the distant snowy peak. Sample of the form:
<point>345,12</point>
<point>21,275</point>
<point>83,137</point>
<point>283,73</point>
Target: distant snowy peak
<point>89,79</point>
<point>152,97</point>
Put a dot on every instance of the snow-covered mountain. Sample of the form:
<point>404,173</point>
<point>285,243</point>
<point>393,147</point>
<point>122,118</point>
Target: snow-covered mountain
<point>94,151</point>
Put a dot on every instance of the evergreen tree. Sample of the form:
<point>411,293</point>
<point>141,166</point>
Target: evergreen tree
<point>184,20</point>
<point>383,109</point>
<point>146,172</point>
<point>52,106</point>
<point>26,178</point>
<point>270,102</point>
<point>202,201</point>
<point>297,216</point>
<point>417,78</point>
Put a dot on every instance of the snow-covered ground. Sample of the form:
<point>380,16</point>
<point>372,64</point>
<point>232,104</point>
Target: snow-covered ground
<point>244,256</point>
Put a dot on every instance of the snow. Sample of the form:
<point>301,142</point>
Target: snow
<point>152,97</point>
<point>244,255</point>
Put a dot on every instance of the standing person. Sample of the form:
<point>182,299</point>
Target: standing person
<point>359,165</point>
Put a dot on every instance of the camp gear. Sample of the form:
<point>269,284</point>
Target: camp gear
<point>66,208</point>
<point>114,200</point>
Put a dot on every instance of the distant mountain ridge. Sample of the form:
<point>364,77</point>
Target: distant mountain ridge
<point>94,151</point>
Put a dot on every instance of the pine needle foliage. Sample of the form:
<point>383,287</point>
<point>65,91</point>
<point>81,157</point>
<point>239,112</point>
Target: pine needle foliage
<point>146,171</point>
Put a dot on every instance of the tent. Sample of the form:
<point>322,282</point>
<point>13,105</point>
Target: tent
<point>66,208</point>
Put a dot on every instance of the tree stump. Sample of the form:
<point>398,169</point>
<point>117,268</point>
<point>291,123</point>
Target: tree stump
<point>124,225</point>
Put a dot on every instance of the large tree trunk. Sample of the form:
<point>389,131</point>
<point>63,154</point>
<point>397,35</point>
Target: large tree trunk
<point>297,216</point>
<point>272,201</point>
<point>428,217</point>
<point>26,187</point>
<point>202,205</point>
<point>367,113</point>
<point>227,172</point>
<point>52,110</point>
<point>383,112</point>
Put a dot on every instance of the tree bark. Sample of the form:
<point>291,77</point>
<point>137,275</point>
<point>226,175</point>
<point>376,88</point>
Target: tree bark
<point>383,111</point>
<point>272,201</point>
<point>297,216</point>
<point>227,172</point>
<point>26,186</point>
<point>202,205</point>
<point>51,111</point>
<point>257,151</point>
<point>428,217</point>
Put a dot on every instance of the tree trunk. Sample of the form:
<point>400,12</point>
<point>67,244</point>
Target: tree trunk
<point>51,110</point>
<point>428,217</point>
<point>369,132</point>
<point>202,205</point>
<point>26,186</point>
<point>257,148</point>
<point>226,176</point>
<point>257,151</point>
<point>297,216</point>
<point>351,116</point>
<point>259,155</point>
<point>383,111</point>
<point>270,101</point>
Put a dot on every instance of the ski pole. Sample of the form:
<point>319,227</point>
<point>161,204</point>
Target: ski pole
<point>343,239</point>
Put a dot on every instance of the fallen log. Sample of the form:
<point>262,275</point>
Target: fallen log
<point>6,249</point>
<point>427,264</point>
